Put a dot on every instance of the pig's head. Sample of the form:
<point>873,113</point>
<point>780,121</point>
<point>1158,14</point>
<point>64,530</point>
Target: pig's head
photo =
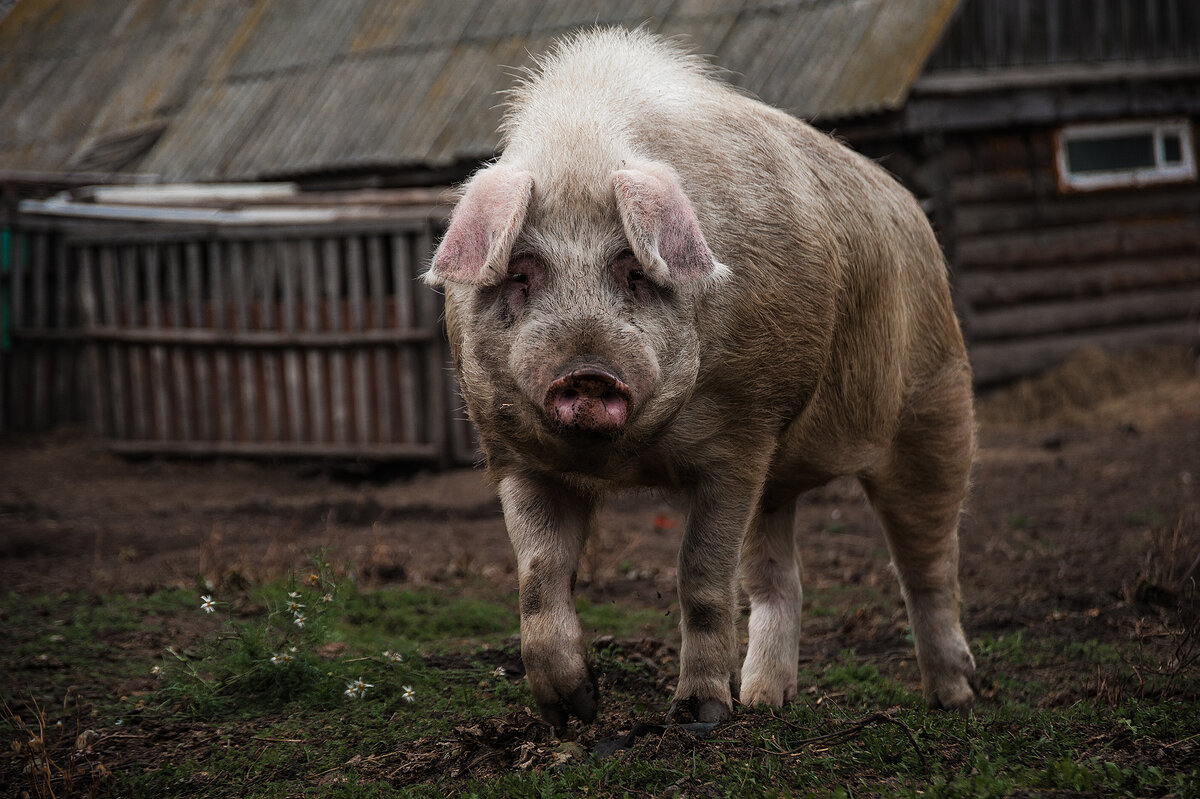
<point>571,306</point>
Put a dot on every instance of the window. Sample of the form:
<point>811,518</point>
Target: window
<point>1125,154</point>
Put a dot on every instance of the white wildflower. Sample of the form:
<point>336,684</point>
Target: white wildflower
<point>207,604</point>
<point>395,657</point>
<point>499,671</point>
<point>357,688</point>
<point>327,598</point>
<point>294,607</point>
<point>300,620</point>
<point>156,670</point>
<point>409,694</point>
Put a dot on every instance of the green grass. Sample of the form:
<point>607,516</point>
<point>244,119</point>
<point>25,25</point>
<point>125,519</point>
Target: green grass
<point>224,721</point>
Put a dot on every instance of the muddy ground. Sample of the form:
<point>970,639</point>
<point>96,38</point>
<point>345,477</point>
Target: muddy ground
<point>1083,522</point>
<point>1078,475</point>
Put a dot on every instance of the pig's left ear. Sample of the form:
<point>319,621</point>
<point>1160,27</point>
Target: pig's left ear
<point>483,229</point>
<point>662,228</point>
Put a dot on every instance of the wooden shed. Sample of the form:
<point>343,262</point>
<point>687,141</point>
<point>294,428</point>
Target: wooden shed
<point>1051,142</point>
<point>1054,142</point>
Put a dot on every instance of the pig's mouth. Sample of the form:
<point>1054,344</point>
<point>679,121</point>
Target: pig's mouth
<point>589,400</point>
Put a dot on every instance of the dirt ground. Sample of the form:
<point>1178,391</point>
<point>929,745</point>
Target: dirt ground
<point>1083,520</point>
<point>1079,474</point>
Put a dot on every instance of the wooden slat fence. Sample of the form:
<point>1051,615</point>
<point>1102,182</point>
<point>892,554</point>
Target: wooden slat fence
<point>307,340</point>
<point>43,380</point>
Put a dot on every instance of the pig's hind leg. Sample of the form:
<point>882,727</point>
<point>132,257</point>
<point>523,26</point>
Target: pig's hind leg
<point>770,572</point>
<point>918,494</point>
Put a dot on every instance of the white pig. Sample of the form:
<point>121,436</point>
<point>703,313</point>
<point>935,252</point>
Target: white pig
<point>663,282</point>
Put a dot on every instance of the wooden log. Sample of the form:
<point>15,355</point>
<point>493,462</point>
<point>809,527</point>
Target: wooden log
<point>1083,314</point>
<point>1079,243</point>
<point>1015,185</point>
<point>986,289</point>
<point>995,362</point>
<point>974,219</point>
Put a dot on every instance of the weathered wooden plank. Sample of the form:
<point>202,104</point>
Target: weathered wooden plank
<point>220,266</point>
<point>990,289</point>
<point>128,276</point>
<point>377,291</point>
<point>161,393</point>
<point>1085,313</point>
<point>331,264</point>
<point>994,362</point>
<point>439,372</point>
<point>356,289</point>
<point>289,264</point>
<point>311,289</point>
<point>353,451</point>
<point>264,267</point>
<point>240,286</point>
<point>64,318</point>
<point>412,412</point>
<point>88,309</point>
<point>181,385</point>
<point>205,409</point>
<point>39,273</point>
<point>114,365</point>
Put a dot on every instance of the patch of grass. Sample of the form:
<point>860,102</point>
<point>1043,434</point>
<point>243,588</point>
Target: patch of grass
<point>858,728</point>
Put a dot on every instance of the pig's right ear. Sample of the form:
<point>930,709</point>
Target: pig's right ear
<point>483,228</point>
<point>662,228</point>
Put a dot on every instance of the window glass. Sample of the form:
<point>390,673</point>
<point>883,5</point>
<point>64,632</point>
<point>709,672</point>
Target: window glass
<point>1111,153</point>
<point>1172,148</point>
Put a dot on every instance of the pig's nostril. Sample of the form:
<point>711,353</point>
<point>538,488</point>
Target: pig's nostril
<point>569,394</point>
<point>609,397</point>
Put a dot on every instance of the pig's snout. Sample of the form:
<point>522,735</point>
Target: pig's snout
<point>588,399</point>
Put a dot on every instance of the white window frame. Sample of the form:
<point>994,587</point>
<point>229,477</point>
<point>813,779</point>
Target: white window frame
<point>1160,173</point>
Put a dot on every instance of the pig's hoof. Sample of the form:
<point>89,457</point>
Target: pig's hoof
<point>765,694</point>
<point>581,703</point>
<point>955,695</point>
<point>705,711</point>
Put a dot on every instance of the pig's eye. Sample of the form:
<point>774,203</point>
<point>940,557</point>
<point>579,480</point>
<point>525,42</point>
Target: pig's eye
<point>524,276</point>
<point>633,277</point>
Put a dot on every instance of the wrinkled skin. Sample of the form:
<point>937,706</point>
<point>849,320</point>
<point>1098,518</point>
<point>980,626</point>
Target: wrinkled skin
<point>664,283</point>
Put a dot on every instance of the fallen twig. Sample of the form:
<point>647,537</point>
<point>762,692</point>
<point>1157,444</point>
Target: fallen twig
<point>852,730</point>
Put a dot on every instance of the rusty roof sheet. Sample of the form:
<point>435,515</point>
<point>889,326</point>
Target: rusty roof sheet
<point>231,90</point>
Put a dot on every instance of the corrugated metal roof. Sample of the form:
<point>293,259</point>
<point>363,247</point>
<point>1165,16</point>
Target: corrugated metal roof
<point>235,90</point>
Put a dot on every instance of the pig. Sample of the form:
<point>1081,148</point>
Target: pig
<point>665,283</point>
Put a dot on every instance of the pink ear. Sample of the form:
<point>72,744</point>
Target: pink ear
<point>484,227</point>
<point>661,226</point>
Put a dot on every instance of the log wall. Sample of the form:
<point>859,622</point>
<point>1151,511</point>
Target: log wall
<point>1038,272</point>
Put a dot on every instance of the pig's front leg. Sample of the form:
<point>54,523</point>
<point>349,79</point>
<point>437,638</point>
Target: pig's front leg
<point>722,509</point>
<point>548,523</point>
